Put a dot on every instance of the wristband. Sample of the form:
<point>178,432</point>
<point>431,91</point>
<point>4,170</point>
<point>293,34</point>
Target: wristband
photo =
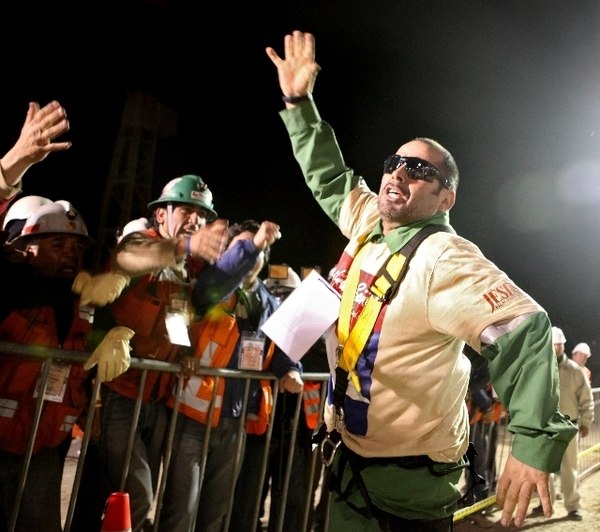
<point>297,99</point>
<point>188,246</point>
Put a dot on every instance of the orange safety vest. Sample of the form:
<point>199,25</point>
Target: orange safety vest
<point>258,423</point>
<point>19,379</point>
<point>143,309</point>
<point>311,399</point>
<point>215,337</point>
<point>476,414</point>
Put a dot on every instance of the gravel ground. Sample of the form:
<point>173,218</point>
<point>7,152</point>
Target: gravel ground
<point>489,519</point>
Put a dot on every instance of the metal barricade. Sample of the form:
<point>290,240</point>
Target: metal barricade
<point>73,470</point>
<point>589,455</point>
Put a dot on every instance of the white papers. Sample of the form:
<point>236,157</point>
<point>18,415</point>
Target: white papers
<point>304,316</point>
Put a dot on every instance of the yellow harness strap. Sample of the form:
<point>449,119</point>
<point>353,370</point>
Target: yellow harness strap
<point>353,341</point>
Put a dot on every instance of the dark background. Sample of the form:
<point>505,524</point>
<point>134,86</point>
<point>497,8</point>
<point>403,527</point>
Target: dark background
<point>510,87</point>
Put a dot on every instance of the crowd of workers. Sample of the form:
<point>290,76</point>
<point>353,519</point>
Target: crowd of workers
<point>184,286</point>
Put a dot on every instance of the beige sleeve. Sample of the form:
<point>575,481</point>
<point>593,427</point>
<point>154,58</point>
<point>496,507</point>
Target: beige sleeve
<point>8,192</point>
<point>140,254</point>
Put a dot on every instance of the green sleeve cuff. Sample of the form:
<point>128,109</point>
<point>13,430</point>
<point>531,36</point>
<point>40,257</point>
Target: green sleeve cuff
<point>542,452</point>
<point>297,119</point>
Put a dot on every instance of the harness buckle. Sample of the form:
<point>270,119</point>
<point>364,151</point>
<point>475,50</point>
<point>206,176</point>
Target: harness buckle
<point>329,447</point>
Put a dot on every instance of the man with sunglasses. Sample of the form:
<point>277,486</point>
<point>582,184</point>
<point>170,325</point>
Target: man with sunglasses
<point>397,425</point>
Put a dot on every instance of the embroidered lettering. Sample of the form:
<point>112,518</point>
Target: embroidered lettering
<point>500,295</point>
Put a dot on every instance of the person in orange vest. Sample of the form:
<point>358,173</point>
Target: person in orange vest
<point>37,139</point>
<point>160,264</point>
<point>231,304</point>
<point>38,308</point>
<point>485,414</point>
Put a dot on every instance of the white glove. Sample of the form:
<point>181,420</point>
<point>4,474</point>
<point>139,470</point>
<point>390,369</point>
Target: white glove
<point>112,354</point>
<point>101,289</point>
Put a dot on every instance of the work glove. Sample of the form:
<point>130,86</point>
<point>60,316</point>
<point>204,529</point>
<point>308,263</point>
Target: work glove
<point>112,354</point>
<point>83,279</point>
<point>99,290</point>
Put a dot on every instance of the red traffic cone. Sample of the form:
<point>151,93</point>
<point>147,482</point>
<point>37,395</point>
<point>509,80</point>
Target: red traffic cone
<point>117,516</point>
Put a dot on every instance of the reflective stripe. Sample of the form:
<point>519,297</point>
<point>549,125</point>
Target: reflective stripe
<point>206,359</point>
<point>67,423</point>
<point>8,407</point>
<point>196,398</point>
<point>258,423</point>
<point>311,399</point>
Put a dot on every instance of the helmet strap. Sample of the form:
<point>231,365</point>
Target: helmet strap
<point>170,220</point>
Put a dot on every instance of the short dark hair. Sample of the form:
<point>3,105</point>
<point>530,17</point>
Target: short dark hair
<point>451,167</point>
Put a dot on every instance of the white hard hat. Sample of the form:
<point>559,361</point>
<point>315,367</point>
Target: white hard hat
<point>139,224</point>
<point>57,217</point>
<point>582,347</point>
<point>23,208</point>
<point>558,337</point>
<point>18,212</point>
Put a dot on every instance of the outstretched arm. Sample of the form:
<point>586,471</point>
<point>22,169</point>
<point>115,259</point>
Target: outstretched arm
<point>298,71</point>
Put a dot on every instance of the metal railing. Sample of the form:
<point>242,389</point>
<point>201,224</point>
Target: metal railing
<point>47,355</point>
<point>589,455</point>
<point>588,458</point>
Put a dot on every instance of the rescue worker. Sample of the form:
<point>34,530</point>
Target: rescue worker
<point>580,354</point>
<point>160,264</point>
<point>38,308</point>
<point>223,330</point>
<point>577,402</point>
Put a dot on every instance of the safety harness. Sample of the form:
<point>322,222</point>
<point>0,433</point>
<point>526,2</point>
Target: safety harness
<point>351,343</point>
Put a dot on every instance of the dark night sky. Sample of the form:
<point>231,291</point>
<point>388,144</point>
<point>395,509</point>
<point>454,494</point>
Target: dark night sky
<point>512,88</point>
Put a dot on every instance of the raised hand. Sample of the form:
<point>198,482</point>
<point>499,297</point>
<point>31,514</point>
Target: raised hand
<point>42,125</point>
<point>209,242</point>
<point>298,71</point>
<point>268,233</point>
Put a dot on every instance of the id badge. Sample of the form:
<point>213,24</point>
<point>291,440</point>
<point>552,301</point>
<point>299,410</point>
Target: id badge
<point>57,382</point>
<point>253,349</point>
<point>177,321</point>
<point>179,305</point>
<point>177,328</point>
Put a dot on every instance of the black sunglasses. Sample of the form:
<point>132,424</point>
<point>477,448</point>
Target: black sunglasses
<point>416,168</point>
